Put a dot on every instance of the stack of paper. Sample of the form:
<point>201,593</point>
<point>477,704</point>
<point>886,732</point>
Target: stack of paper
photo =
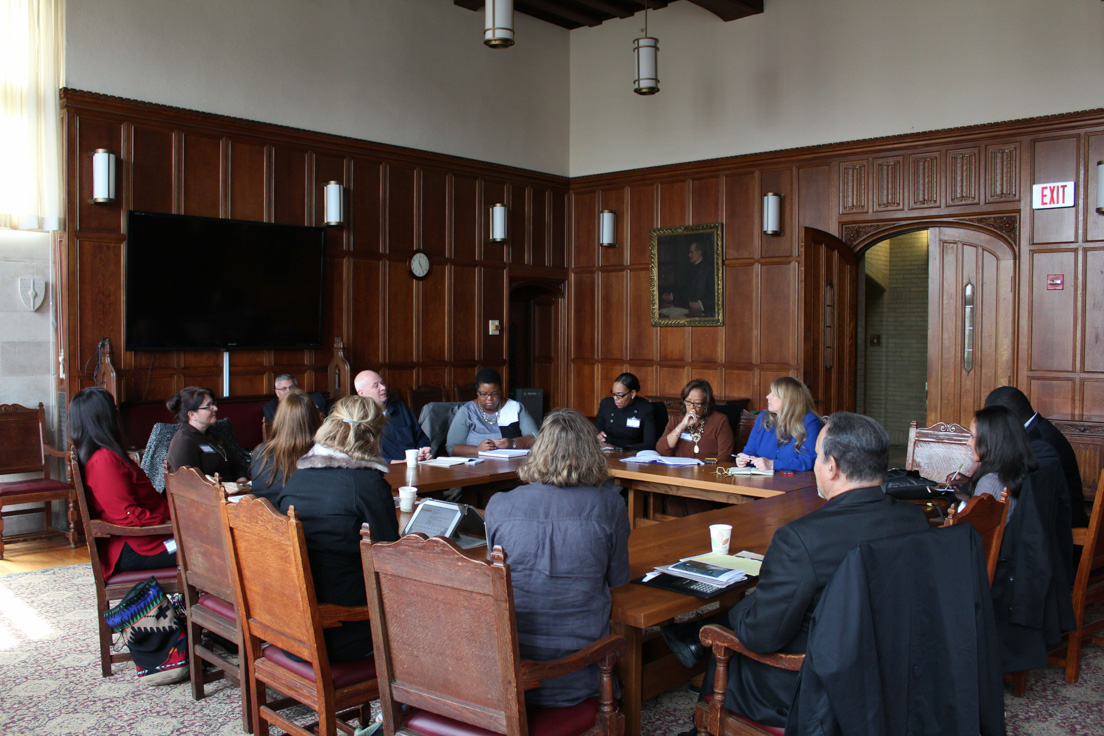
<point>504,452</point>
<point>445,462</point>
<point>704,572</point>
<point>651,456</point>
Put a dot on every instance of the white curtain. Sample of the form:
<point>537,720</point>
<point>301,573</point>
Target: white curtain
<point>31,71</point>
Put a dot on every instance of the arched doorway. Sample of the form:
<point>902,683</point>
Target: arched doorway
<point>936,325</point>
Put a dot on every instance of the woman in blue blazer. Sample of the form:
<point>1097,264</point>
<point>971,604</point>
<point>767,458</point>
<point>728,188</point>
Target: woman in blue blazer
<point>784,436</point>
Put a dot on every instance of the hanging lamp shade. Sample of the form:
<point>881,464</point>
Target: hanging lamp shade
<point>498,31</point>
<point>646,50</point>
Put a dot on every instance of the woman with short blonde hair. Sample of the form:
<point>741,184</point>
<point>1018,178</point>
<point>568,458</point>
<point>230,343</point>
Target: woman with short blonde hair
<point>784,436</point>
<point>567,541</point>
<point>339,485</point>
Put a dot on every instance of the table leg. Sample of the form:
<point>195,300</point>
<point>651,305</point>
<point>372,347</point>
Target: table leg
<point>636,500</point>
<point>630,670</point>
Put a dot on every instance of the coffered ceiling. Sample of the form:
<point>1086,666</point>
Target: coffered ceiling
<point>577,13</point>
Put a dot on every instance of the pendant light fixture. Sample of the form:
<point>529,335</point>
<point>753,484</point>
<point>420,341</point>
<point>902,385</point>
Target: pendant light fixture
<point>646,50</point>
<point>498,27</point>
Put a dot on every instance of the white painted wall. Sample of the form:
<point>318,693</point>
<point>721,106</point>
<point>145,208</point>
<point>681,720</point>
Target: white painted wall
<point>820,71</point>
<point>405,72</point>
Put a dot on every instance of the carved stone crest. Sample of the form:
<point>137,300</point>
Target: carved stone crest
<point>32,291</point>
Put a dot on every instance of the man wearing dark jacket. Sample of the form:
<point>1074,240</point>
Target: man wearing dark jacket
<point>852,458</point>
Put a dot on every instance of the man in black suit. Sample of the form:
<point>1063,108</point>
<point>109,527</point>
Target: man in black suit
<point>1049,444</point>
<point>284,383</point>
<point>852,459</point>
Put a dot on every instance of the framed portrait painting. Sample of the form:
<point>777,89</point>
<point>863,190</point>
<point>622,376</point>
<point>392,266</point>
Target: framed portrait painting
<point>687,275</point>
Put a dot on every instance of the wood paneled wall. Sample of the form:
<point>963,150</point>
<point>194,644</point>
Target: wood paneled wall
<point>979,178</point>
<point>172,160</point>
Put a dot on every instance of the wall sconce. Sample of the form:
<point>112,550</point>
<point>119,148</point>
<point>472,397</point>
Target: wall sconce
<point>1100,187</point>
<point>498,26</point>
<point>607,229</point>
<point>334,205</point>
<point>103,176</point>
<point>646,50</point>
<point>498,223</point>
<point>772,213</point>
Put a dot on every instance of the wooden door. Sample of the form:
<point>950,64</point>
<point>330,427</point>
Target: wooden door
<point>533,332</point>
<point>970,321</point>
<point>829,295</point>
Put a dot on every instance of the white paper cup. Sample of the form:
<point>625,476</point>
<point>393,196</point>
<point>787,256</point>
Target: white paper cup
<point>720,536</point>
<point>407,494</point>
<point>412,458</point>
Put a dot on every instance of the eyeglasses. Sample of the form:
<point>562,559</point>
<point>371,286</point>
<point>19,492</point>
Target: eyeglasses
<point>616,395</point>
<point>210,407</point>
<point>696,404</point>
<point>727,471</point>
<point>492,394</point>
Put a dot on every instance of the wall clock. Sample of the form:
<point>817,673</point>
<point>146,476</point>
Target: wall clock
<point>419,264</point>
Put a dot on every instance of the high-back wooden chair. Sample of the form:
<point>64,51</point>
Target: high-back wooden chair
<point>988,516</point>
<point>423,395</point>
<point>23,449</point>
<point>939,450</point>
<point>1088,588</point>
<point>280,616</point>
<point>209,597</point>
<point>465,392</point>
<point>446,644</point>
<point>119,584</point>
<point>264,429</point>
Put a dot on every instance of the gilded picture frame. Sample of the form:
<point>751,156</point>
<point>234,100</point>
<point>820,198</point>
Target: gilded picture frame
<point>687,275</point>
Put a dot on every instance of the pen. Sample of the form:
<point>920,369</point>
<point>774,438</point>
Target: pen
<point>785,472</point>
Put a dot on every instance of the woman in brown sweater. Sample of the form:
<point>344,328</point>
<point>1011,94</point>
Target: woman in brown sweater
<point>699,431</point>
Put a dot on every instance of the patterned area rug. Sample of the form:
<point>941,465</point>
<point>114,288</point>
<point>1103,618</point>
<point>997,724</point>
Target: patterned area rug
<point>50,679</point>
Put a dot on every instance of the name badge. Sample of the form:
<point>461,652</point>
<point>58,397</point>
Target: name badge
<point>207,448</point>
<point>686,436</point>
<point>633,422</point>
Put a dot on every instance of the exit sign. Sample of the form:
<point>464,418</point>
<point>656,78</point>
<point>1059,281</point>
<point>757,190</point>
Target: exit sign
<point>1055,194</point>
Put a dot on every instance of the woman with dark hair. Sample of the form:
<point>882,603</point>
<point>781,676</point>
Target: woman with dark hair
<point>119,491</point>
<point>625,421</point>
<point>567,541</point>
<point>338,486</point>
<point>1003,452</point>
<point>699,431</point>
<point>487,422</point>
<point>293,428</point>
<point>193,445</point>
<point>784,436</point>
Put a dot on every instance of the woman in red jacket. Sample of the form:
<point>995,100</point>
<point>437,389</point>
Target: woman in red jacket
<point>119,491</point>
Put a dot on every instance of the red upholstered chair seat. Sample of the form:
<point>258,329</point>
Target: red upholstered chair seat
<point>217,605</point>
<point>345,674</point>
<point>138,576</point>
<point>776,730</point>
<point>570,721</point>
<point>34,485</point>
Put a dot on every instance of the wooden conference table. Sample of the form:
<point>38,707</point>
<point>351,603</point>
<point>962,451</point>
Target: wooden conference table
<point>648,668</point>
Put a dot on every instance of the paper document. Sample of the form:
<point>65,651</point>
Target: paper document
<point>504,452</point>
<point>749,470</point>
<point>704,572</point>
<point>730,562</point>
<point>445,462</point>
<point>651,456</point>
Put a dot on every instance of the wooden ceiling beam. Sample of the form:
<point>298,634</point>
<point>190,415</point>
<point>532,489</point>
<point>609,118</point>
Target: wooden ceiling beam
<point>572,18</point>
<point>728,10</point>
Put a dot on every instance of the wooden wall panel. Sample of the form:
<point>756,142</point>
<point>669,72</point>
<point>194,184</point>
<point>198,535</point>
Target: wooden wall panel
<point>400,209</point>
<point>642,218</point>
<point>466,219</point>
<point>432,314</point>
<point>1094,221</point>
<point>152,164</point>
<point>249,181</point>
<point>98,302</point>
<point>1053,313</point>
<point>1053,397</point>
<point>741,216</point>
<point>784,245</point>
<point>1056,160</point>
<point>434,213</point>
<point>584,388</point>
<point>889,194</point>
<point>777,299</point>
<point>611,315</point>
<point>364,344</point>
<point>1092,400</point>
<point>670,379</point>
<point>613,199</point>
<point>203,177</point>
<point>559,228</point>
<point>741,314</point>
<point>705,201</point>
<point>642,336</point>
<point>742,384</point>
<point>289,186</point>
<point>674,344</point>
<point>364,200</point>
<point>465,333</point>
<point>584,337</point>
<point>495,296</point>
<point>584,224</point>
<point>517,218</point>
<point>673,207</point>
<point>1092,289</point>
<point>540,252</point>
<point>706,345</point>
<point>963,173</point>
<point>814,197</point>
<point>494,192</point>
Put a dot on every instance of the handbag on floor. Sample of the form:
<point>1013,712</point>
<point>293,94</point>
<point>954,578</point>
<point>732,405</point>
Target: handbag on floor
<point>150,626</point>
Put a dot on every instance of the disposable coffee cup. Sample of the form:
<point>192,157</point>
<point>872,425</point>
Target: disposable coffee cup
<point>411,458</point>
<point>407,494</point>
<point>720,536</point>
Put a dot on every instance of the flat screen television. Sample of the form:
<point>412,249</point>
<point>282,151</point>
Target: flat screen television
<point>202,283</point>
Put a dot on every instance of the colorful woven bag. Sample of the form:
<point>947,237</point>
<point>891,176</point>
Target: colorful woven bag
<point>150,626</point>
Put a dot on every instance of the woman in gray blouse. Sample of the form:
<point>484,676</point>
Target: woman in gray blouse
<point>488,422</point>
<point>1003,452</point>
<point>567,541</point>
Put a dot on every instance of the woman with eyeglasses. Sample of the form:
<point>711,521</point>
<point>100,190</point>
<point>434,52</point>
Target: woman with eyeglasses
<point>625,421</point>
<point>194,444</point>
<point>784,436</point>
<point>487,422</point>
<point>699,431</point>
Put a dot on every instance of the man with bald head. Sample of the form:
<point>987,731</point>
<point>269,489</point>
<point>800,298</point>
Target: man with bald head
<point>401,433</point>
